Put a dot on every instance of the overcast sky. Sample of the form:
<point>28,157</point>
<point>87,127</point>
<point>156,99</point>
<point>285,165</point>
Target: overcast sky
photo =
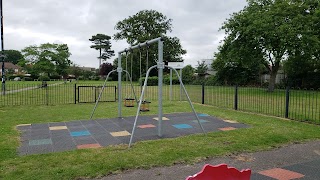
<point>32,22</point>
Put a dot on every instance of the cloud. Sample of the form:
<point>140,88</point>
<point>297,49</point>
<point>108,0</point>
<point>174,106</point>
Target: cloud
<point>195,23</point>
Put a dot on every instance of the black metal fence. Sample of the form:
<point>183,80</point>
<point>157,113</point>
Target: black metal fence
<point>298,104</point>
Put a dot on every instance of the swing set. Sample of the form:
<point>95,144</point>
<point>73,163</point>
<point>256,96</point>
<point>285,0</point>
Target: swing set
<point>143,105</point>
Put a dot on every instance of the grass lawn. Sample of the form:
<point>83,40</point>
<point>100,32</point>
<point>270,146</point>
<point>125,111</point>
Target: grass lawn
<point>265,133</point>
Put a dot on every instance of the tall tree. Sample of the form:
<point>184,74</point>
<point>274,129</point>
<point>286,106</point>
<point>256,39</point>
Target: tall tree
<point>201,68</point>
<point>146,25</point>
<point>47,58</point>
<point>102,43</point>
<point>12,56</point>
<point>270,31</point>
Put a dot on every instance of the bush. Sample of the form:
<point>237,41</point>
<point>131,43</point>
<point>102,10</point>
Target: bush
<point>152,81</point>
<point>175,80</point>
<point>28,79</point>
<point>44,78</point>
<point>55,77</point>
<point>96,78</point>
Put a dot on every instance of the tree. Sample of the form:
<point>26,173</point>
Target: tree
<point>270,31</point>
<point>102,43</point>
<point>47,58</point>
<point>106,68</point>
<point>12,56</point>
<point>187,74</point>
<point>75,70</point>
<point>201,68</point>
<point>146,25</point>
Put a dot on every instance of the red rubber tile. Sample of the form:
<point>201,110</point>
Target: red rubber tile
<point>86,146</point>
<point>227,128</point>
<point>281,174</point>
<point>146,126</point>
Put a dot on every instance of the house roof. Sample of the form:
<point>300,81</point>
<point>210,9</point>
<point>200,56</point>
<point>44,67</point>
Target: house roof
<point>87,68</point>
<point>9,65</point>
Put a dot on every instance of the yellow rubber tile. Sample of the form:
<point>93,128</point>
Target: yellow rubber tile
<point>163,118</point>
<point>120,133</point>
<point>53,128</point>
<point>229,121</point>
<point>227,129</point>
<point>23,125</point>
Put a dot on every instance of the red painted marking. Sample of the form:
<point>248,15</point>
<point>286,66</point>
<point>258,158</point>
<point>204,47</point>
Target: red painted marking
<point>86,146</point>
<point>227,128</point>
<point>281,174</point>
<point>146,126</point>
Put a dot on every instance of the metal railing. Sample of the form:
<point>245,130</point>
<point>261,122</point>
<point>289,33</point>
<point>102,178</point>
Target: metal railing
<point>297,104</point>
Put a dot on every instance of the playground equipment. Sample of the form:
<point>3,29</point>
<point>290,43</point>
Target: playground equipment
<point>221,172</point>
<point>128,100</point>
<point>160,66</point>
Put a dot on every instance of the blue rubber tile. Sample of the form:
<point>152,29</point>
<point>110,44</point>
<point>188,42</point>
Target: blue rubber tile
<point>182,126</point>
<point>203,115</point>
<point>79,133</point>
<point>40,142</point>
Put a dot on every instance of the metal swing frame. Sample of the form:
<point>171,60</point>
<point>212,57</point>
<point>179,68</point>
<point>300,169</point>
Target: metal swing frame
<point>160,66</point>
<point>104,85</point>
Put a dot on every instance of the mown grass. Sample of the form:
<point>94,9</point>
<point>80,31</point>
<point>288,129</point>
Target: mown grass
<point>304,105</point>
<point>264,133</point>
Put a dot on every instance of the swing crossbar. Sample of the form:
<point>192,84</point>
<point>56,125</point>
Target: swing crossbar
<point>147,43</point>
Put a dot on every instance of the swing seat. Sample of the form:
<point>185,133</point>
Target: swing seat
<point>145,106</point>
<point>129,102</point>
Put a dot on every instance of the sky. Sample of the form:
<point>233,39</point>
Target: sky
<point>33,22</point>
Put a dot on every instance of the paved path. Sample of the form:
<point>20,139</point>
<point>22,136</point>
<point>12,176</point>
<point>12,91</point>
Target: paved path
<point>290,162</point>
<point>30,88</point>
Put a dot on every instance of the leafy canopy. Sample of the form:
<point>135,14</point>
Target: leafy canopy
<point>47,58</point>
<point>146,25</point>
<point>102,43</point>
<point>271,31</point>
<point>12,56</point>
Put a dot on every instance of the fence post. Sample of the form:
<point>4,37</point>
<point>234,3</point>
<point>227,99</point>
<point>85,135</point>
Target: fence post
<point>47,95</point>
<point>287,102</point>
<point>236,97</point>
<point>75,93</point>
<point>202,92</point>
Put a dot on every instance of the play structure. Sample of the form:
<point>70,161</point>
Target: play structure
<point>142,103</point>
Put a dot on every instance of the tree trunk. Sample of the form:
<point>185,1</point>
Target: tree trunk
<point>100,65</point>
<point>272,80</point>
